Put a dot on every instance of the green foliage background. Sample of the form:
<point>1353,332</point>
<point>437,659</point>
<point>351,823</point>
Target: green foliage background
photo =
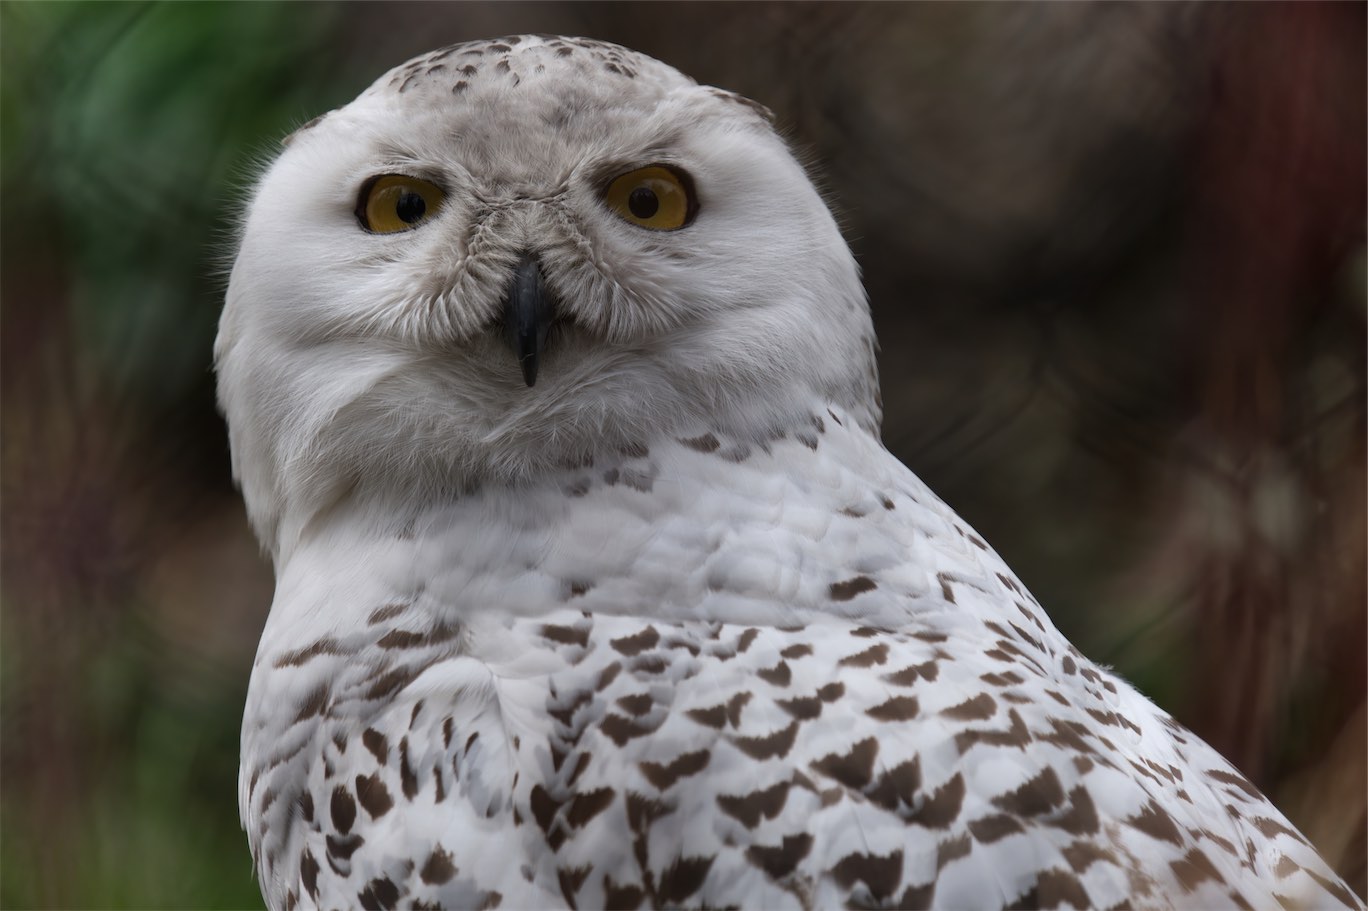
<point>1051,241</point>
<point>129,132</point>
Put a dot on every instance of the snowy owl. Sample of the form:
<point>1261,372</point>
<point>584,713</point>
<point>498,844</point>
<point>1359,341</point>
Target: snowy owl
<point>551,392</point>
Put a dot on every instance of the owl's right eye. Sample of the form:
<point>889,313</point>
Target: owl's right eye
<point>394,202</point>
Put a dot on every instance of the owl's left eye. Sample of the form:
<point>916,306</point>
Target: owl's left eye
<point>654,197</point>
<point>394,202</point>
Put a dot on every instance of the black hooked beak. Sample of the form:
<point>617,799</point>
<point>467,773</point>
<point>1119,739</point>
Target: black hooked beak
<point>527,313</point>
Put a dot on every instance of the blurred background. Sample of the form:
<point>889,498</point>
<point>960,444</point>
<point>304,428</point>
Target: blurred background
<point>1116,258</point>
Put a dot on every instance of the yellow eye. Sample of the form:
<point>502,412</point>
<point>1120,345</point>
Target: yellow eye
<point>653,197</point>
<point>396,203</point>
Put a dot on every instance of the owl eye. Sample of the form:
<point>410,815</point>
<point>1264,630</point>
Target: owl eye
<point>393,202</point>
<point>652,197</point>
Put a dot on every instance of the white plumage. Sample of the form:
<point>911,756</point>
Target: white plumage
<point>669,627</point>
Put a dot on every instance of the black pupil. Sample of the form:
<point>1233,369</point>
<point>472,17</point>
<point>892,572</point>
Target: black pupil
<point>643,202</point>
<point>410,207</point>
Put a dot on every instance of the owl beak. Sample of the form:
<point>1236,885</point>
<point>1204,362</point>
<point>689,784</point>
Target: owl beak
<point>527,315</point>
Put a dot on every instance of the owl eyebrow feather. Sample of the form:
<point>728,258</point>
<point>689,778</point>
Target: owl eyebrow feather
<point>307,125</point>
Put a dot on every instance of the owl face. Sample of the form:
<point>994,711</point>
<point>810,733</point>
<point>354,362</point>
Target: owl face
<point>506,256</point>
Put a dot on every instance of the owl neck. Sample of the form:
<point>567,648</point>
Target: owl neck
<point>696,525</point>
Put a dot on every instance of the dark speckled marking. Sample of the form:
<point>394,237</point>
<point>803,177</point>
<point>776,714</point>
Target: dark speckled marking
<point>853,769</point>
<point>665,775</point>
<point>637,643</point>
<point>705,443</point>
<point>875,654</point>
<point>1035,797</point>
<point>304,655</point>
<point>778,862</point>
<point>844,591</point>
<point>379,895</point>
<point>682,879</point>
<point>897,708</point>
<point>976,708</point>
<point>373,796</point>
<point>775,745</point>
<point>880,873</point>
<point>438,868</point>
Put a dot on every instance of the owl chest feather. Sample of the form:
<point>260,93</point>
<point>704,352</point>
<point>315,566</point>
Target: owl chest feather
<point>710,672</point>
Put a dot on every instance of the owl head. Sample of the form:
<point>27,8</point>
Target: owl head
<point>506,257</point>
